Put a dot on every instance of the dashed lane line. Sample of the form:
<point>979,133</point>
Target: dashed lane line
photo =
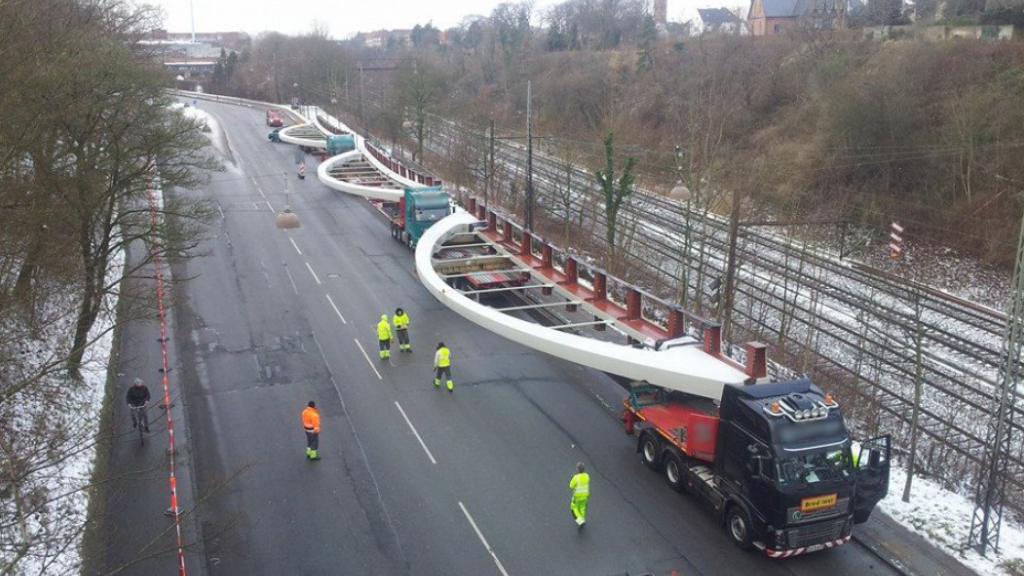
<point>483,540</point>
<point>365,355</point>
<point>294,245</point>
<point>417,434</point>
<point>315,277</point>
<point>290,279</point>
<point>336,311</point>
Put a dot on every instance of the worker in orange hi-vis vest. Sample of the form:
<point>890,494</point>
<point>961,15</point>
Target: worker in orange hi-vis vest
<point>311,424</point>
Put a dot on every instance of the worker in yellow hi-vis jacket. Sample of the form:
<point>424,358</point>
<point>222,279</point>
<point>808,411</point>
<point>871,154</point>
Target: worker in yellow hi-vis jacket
<point>384,336</point>
<point>443,366</point>
<point>402,329</point>
<point>580,485</point>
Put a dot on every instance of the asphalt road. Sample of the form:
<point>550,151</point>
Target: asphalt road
<point>413,480</point>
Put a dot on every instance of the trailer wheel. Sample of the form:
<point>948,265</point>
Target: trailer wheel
<point>674,473</point>
<point>737,524</point>
<point>649,452</point>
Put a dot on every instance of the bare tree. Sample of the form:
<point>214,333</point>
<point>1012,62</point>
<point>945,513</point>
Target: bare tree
<point>97,129</point>
<point>616,189</point>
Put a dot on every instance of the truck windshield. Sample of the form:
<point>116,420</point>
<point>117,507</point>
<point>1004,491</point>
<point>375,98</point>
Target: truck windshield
<point>431,215</point>
<point>814,467</point>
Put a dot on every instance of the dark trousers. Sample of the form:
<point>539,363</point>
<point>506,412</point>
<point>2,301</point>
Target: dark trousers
<point>403,337</point>
<point>142,419</point>
<point>312,440</point>
<point>444,373</point>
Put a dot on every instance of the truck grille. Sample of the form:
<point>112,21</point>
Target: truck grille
<point>796,517</point>
<point>816,533</point>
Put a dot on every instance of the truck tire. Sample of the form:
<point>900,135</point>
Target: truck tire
<point>674,473</point>
<point>738,527</point>
<point>650,452</point>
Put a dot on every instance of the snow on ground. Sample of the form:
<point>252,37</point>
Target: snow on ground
<point>217,135</point>
<point>944,519</point>
<point>64,481</point>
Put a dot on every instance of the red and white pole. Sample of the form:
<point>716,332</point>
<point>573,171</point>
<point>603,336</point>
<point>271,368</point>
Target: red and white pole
<point>895,240</point>
<point>165,368</point>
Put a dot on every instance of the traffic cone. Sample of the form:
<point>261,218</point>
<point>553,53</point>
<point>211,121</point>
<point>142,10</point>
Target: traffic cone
<point>302,171</point>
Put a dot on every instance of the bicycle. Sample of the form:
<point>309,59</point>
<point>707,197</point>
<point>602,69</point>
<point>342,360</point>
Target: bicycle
<point>141,422</point>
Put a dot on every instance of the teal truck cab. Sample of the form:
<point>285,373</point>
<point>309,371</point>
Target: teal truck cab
<point>340,143</point>
<point>418,209</point>
<point>774,461</point>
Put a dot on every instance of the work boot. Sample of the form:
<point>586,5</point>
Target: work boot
<point>146,429</point>
<point>451,386</point>
<point>437,382</point>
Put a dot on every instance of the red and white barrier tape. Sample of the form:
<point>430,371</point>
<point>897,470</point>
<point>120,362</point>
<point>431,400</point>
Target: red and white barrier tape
<point>157,264</point>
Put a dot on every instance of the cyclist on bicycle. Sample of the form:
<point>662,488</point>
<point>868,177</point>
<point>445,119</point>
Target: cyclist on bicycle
<point>138,398</point>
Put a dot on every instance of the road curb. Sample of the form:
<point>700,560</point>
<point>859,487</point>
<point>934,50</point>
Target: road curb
<point>921,558</point>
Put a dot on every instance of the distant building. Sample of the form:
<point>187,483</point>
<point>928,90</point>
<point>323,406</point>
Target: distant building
<point>720,20</point>
<point>191,68</point>
<point>236,41</point>
<point>774,17</point>
<point>388,39</point>
<point>192,60</point>
<point>661,12</point>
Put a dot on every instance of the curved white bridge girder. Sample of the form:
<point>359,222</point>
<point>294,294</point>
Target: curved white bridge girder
<point>687,369</point>
<point>323,172</point>
<point>308,134</point>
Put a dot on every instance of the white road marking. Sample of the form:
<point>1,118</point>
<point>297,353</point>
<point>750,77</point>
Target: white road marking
<point>365,355</point>
<point>269,205</point>
<point>413,428</point>
<point>292,240</point>
<point>338,312</point>
<point>313,273</point>
<point>255,206</point>
<point>483,540</point>
<point>292,280</point>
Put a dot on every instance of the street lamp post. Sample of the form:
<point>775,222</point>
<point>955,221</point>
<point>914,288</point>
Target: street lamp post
<point>286,219</point>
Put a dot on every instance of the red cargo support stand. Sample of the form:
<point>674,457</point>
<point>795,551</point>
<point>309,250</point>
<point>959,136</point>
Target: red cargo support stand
<point>757,360</point>
<point>676,324</point>
<point>713,340</point>
<point>633,304</point>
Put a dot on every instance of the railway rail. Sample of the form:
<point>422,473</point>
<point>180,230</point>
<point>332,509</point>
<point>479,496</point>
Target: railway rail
<point>962,339</point>
<point>855,320</point>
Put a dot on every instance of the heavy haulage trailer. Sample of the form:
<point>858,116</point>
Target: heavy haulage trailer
<point>774,461</point>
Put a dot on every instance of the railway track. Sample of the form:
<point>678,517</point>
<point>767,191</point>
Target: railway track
<point>837,310</point>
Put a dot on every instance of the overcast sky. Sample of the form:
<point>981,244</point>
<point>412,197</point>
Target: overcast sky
<point>346,17</point>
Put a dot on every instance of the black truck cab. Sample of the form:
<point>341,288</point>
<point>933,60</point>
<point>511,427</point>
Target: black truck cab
<point>774,460</point>
<point>789,476</point>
